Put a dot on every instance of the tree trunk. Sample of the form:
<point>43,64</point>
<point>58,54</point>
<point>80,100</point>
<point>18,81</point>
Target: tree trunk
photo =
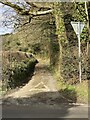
<point>60,31</point>
<point>86,9</point>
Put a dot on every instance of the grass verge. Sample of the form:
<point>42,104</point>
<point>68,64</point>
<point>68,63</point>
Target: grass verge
<point>77,91</point>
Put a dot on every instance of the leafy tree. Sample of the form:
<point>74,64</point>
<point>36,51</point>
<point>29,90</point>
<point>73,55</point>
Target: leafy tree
<point>63,12</point>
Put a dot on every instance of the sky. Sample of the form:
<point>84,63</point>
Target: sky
<point>9,13</point>
<point>3,29</point>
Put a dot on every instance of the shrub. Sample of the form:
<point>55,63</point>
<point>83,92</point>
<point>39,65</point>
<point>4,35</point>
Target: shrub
<point>16,72</point>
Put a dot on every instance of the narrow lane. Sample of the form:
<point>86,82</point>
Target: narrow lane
<point>42,81</point>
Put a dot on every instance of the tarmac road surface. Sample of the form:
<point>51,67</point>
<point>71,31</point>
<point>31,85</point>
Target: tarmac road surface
<point>44,111</point>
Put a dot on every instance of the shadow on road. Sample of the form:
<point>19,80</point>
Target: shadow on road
<point>40,105</point>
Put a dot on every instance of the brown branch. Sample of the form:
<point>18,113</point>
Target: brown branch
<point>38,13</point>
<point>16,7</point>
<point>22,11</point>
<point>36,5</point>
<point>31,4</point>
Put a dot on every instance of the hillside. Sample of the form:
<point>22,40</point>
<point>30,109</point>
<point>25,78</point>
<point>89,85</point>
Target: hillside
<point>40,38</point>
<point>51,38</point>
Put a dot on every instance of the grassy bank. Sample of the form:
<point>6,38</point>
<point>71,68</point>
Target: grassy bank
<point>73,92</point>
<point>80,89</point>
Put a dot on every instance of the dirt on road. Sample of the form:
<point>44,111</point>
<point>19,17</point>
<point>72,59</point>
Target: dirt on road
<point>41,88</point>
<point>42,81</point>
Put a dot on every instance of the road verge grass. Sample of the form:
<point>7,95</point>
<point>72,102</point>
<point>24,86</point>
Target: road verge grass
<point>81,89</point>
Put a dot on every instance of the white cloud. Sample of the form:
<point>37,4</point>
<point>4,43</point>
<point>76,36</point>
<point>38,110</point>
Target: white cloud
<point>1,17</point>
<point>1,5</point>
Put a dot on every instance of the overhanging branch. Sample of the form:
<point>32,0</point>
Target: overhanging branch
<point>14,6</point>
<point>23,11</point>
<point>36,5</point>
<point>40,12</point>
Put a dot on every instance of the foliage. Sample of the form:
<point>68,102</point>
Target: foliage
<point>81,90</point>
<point>80,14</point>
<point>16,72</point>
<point>52,35</point>
<point>31,38</point>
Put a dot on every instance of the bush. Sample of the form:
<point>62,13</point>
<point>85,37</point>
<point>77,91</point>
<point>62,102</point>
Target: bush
<point>15,73</point>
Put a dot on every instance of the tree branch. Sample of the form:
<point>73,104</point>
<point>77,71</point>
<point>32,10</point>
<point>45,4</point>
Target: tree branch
<point>38,13</point>
<point>34,5</point>
<point>14,6</point>
<point>31,4</point>
<point>17,8</point>
<point>22,11</point>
